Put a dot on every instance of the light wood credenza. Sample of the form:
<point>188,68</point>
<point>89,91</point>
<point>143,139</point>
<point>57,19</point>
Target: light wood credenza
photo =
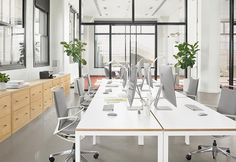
<point>20,106</point>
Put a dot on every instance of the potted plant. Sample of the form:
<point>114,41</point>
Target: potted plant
<point>4,78</point>
<point>186,58</point>
<point>75,49</point>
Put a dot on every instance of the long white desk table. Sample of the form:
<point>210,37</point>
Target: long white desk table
<point>95,122</point>
<point>182,121</point>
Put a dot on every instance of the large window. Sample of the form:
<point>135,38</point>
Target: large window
<point>41,37</point>
<point>12,34</point>
<point>130,43</point>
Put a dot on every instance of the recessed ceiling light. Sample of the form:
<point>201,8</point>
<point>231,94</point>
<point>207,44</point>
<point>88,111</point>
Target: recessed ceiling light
<point>150,8</point>
<point>118,6</point>
<point>106,14</point>
<point>146,14</point>
<point>105,8</point>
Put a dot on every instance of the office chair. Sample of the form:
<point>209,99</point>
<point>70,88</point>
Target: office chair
<point>85,98</point>
<point>66,126</point>
<point>91,89</point>
<point>107,73</point>
<point>227,107</point>
<point>192,88</point>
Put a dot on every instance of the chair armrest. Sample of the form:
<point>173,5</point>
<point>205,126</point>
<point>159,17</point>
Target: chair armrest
<point>57,130</point>
<point>230,116</point>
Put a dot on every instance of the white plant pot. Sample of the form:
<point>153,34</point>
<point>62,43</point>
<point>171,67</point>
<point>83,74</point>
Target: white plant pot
<point>3,86</point>
<point>185,84</point>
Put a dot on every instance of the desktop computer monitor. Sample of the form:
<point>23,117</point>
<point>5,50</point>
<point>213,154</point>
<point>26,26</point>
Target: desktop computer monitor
<point>167,84</point>
<point>124,76</point>
<point>132,83</point>
<point>139,65</point>
<point>148,74</point>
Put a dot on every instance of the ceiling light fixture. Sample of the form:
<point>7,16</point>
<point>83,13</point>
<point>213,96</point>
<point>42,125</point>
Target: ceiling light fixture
<point>105,8</point>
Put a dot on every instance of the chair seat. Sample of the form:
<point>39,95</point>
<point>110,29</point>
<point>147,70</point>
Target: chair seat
<point>71,129</point>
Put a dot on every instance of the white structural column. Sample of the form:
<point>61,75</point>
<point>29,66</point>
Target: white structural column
<point>209,37</point>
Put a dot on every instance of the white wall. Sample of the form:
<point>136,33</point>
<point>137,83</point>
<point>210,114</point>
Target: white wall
<point>29,73</point>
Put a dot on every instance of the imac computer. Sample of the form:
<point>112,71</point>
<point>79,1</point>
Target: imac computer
<point>147,76</point>
<point>167,87</point>
<point>124,76</point>
<point>139,65</point>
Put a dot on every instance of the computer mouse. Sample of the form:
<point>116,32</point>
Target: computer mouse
<point>112,114</point>
<point>202,114</point>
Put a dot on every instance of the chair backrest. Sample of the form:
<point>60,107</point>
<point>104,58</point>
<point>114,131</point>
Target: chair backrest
<point>60,102</point>
<point>193,86</point>
<point>227,102</point>
<point>80,86</point>
<point>106,71</point>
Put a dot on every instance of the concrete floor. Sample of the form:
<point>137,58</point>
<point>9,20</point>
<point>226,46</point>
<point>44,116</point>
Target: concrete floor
<point>36,141</point>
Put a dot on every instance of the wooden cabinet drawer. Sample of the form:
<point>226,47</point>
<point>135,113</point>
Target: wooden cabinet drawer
<point>20,118</point>
<point>5,127</point>
<point>20,99</point>
<point>5,106</point>
<point>56,82</point>
<point>36,93</point>
<point>47,102</point>
<point>36,109</point>
<point>47,86</point>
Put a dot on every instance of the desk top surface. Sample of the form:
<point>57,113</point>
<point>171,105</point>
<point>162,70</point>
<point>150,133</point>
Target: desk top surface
<point>180,118</point>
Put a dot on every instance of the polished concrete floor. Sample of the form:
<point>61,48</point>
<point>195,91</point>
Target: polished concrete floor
<point>36,141</point>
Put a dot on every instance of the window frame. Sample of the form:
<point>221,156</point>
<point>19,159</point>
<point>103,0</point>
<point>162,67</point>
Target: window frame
<point>9,25</point>
<point>48,35</point>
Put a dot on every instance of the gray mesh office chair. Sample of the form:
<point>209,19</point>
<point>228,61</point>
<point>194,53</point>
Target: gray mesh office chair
<point>85,99</point>
<point>107,72</point>
<point>226,106</point>
<point>192,88</point>
<point>66,126</point>
<point>91,89</point>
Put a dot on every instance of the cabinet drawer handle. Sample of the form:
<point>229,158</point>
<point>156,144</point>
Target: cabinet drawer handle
<point>33,94</point>
<point>4,106</point>
<point>26,113</point>
<point>5,125</point>
<point>17,118</point>
<point>39,91</point>
<point>33,109</point>
<point>17,101</point>
<point>26,97</point>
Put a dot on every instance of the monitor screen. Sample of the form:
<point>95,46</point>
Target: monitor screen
<point>132,83</point>
<point>167,84</point>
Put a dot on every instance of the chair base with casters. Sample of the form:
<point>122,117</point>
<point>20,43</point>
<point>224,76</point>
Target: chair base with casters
<point>71,155</point>
<point>214,149</point>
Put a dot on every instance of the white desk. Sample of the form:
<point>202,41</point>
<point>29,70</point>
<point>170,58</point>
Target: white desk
<point>95,122</point>
<point>182,121</point>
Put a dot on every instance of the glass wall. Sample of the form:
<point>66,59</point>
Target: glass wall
<point>129,44</point>
<point>12,35</point>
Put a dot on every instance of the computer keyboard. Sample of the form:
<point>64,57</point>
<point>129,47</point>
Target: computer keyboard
<point>193,107</point>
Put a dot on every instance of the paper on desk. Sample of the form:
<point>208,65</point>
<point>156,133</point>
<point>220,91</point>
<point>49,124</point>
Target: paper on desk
<point>111,100</point>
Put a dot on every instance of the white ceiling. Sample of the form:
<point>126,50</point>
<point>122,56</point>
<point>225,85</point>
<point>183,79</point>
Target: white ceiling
<point>171,10</point>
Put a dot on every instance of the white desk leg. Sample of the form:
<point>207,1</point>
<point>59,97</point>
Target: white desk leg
<point>140,140</point>
<point>77,147</point>
<point>187,140</point>
<point>94,140</point>
<point>160,146</point>
<point>165,148</point>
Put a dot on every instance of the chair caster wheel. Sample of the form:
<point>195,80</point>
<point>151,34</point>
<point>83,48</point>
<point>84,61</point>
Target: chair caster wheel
<point>51,159</point>
<point>199,147</point>
<point>96,155</point>
<point>228,151</point>
<point>188,157</point>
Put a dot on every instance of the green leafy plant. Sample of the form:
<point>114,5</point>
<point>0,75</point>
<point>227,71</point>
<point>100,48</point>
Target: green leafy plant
<point>75,49</point>
<point>4,77</point>
<point>186,55</point>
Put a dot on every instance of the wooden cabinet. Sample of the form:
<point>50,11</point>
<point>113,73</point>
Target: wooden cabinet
<point>36,101</point>
<point>5,127</point>
<point>47,94</point>
<point>19,106</point>
<point>20,118</point>
<point>5,116</point>
<point>20,98</point>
